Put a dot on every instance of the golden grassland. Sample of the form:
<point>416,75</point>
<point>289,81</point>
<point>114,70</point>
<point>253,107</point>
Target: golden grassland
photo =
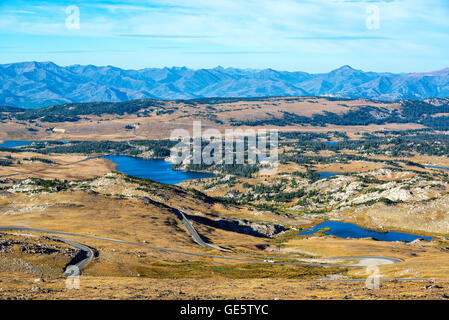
<point>119,267</point>
<point>122,271</point>
<point>424,259</point>
<point>112,127</point>
<point>23,286</point>
<point>83,170</point>
<point>107,216</point>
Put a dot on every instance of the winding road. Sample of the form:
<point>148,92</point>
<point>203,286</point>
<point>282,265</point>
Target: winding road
<point>196,237</point>
<point>364,261</point>
<point>83,263</point>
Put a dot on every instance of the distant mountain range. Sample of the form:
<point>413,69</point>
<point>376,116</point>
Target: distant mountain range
<point>37,84</point>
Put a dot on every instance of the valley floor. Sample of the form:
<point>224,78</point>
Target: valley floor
<point>22,286</point>
<point>377,185</point>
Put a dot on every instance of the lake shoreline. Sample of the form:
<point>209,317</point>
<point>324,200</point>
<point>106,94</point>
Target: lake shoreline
<point>347,230</point>
<point>159,170</point>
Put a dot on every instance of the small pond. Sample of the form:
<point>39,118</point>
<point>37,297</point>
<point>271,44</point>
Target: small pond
<point>349,230</point>
<point>14,143</point>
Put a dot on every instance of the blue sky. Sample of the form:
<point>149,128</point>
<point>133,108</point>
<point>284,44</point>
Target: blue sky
<point>308,35</point>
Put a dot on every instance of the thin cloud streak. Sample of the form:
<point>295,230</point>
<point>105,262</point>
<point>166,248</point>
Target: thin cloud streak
<point>232,52</point>
<point>165,36</point>
<point>342,38</point>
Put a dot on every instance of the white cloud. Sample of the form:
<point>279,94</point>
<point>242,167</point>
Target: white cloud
<point>306,28</point>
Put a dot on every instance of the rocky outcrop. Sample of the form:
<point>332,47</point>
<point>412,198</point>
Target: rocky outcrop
<point>10,245</point>
<point>257,229</point>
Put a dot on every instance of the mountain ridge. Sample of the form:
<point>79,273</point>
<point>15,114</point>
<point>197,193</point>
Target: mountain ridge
<point>37,84</point>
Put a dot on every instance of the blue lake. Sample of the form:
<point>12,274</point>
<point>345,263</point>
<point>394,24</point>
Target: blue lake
<point>349,230</point>
<point>14,143</point>
<point>435,167</point>
<point>20,143</point>
<point>155,169</point>
<point>327,174</point>
<point>331,143</point>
